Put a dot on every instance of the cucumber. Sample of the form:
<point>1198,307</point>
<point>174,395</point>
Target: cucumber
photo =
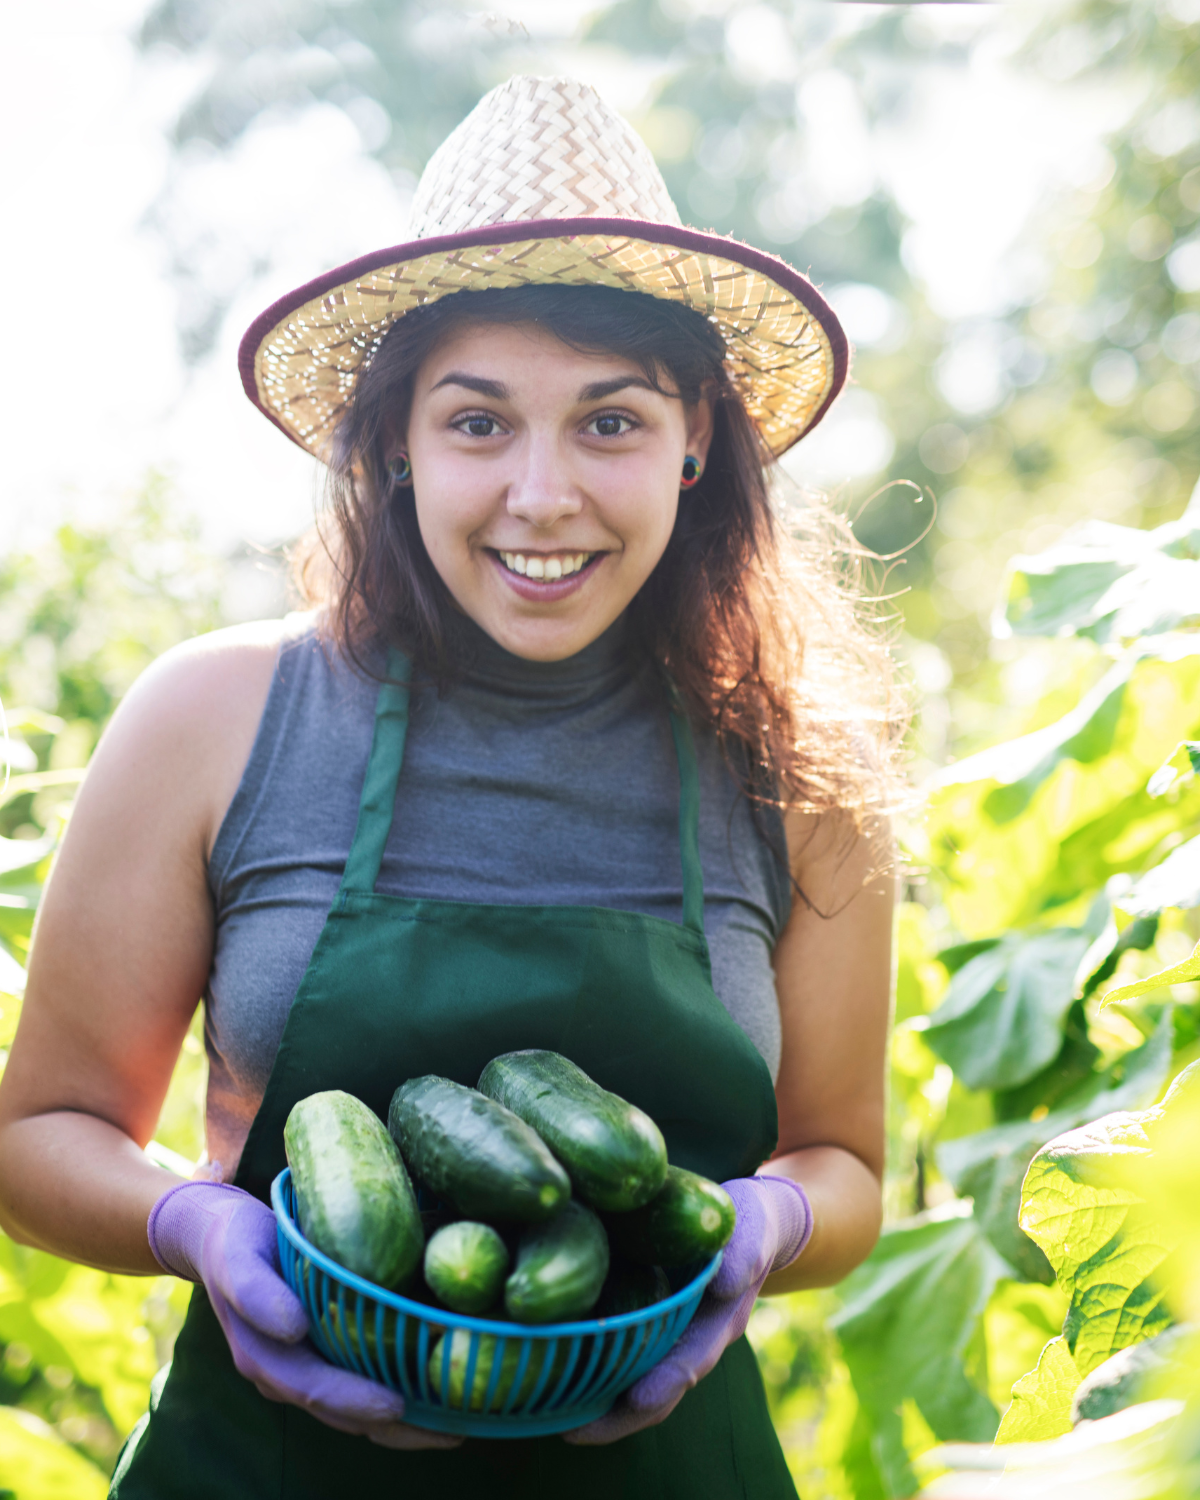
<point>691,1219</point>
<point>560,1268</point>
<point>354,1200</point>
<point>629,1287</point>
<point>614,1153</point>
<point>458,1344</point>
<point>465,1266</point>
<point>344,1332</point>
<point>475,1153</point>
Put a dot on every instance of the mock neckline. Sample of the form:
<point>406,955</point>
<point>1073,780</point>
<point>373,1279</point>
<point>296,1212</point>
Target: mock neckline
<point>485,664</point>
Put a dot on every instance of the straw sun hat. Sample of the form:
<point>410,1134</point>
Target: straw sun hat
<point>543,183</point>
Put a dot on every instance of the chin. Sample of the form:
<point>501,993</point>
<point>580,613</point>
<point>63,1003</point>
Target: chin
<point>541,643</point>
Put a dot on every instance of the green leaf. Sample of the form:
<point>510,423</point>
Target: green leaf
<point>1103,1240</point>
<point>1051,592</point>
<point>1175,882</point>
<point>1181,973</point>
<point>1040,820</point>
<point>910,1328</point>
<point>1176,769</point>
<point>1002,1017</point>
<point>1101,959</point>
<point>37,1465</point>
<point>990,1166</point>
<point>1110,583</point>
<point>1041,1400</point>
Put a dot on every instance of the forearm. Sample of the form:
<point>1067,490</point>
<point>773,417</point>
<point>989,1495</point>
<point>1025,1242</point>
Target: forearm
<point>847,1206</point>
<point>79,1187</point>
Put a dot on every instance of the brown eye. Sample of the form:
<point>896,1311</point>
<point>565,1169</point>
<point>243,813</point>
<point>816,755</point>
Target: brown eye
<point>609,425</point>
<point>480,426</point>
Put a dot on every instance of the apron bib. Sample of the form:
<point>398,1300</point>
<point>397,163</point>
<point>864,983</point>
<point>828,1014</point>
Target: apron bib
<point>398,987</point>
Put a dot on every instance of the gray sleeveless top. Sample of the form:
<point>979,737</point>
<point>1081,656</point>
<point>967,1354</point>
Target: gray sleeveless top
<point>526,782</point>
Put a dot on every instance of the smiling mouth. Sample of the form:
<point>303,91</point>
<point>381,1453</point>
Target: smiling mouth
<point>546,567</point>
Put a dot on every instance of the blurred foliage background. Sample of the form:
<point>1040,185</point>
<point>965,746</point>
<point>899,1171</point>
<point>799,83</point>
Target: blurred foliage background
<point>1050,870</point>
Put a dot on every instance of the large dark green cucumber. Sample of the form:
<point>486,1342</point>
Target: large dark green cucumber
<point>560,1268</point>
<point>465,1266</point>
<point>354,1200</point>
<point>692,1218</point>
<point>472,1151</point>
<point>629,1287</point>
<point>614,1153</point>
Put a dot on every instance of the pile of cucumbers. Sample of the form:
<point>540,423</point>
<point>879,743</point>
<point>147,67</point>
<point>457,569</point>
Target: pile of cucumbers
<point>555,1198</point>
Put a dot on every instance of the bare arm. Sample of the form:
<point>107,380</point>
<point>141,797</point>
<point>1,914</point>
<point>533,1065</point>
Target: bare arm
<point>122,952</point>
<point>833,978</point>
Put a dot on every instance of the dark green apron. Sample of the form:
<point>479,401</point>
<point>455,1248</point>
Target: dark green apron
<point>400,987</point>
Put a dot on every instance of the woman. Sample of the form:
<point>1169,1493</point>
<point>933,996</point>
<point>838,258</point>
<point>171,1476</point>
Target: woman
<point>516,782</point>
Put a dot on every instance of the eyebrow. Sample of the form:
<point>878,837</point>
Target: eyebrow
<point>496,390</point>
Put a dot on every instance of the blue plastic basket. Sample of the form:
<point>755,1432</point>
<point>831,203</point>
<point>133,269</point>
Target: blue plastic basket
<point>502,1379</point>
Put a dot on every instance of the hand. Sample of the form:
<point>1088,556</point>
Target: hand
<point>774,1223</point>
<point>215,1233</point>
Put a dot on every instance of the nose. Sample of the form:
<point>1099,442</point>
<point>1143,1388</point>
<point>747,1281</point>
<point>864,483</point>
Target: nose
<point>542,490</point>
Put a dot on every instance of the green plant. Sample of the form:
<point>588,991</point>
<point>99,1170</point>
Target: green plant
<point>1047,981</point>
<point>80,617</point>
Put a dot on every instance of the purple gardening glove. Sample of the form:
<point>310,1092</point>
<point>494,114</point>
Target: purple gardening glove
<point>215,1233</point>
<point>774,1223</point>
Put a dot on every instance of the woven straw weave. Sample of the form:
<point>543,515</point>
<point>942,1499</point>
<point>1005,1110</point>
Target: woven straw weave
<point>535,150</point>
<point>539,148</point>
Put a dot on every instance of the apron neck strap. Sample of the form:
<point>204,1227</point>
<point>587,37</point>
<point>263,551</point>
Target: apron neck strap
<point>689,821</point>
<point>377,804</point>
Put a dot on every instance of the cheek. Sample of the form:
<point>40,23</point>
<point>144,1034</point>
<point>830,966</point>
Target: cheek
<point>446,519</point>
<point>647,525</point>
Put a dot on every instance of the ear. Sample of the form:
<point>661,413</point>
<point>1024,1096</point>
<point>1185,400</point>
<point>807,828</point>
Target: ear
<point>394,439</point>
<point>699,429</point>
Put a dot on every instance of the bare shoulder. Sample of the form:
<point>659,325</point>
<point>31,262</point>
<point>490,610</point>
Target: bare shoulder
<point>184,732</point>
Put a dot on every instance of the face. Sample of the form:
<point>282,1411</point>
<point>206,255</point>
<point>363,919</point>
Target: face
<point>546,481</point>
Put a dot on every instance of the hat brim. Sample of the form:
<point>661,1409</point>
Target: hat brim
<point>786,352</point>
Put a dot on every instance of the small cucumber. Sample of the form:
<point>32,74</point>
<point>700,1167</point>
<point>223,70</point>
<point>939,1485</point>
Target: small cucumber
<point>629,1287</point>
<point>465,1266</point>
<point>354,1200</point>
<point>560,1268</point>
<point>459,1343</point>
<point>613,1152</point>
<point>475,1153</point>
<point>692,1218</point>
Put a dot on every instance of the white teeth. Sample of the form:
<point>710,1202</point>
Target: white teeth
<point>548,568</point>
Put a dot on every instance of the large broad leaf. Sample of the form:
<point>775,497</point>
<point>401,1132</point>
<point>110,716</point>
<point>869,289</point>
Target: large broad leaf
<point>1105,1243</point>
<point>910,1327</point>
<point>991,1165</point>
<point>1002,1017</point>
<point>37,1465</point>
<point>1025,825</point>
<point>1111,583</point>
<point>1041,1400</point>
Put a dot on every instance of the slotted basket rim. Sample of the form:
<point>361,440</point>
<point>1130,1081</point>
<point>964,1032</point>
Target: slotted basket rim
<point>446,1318</point>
